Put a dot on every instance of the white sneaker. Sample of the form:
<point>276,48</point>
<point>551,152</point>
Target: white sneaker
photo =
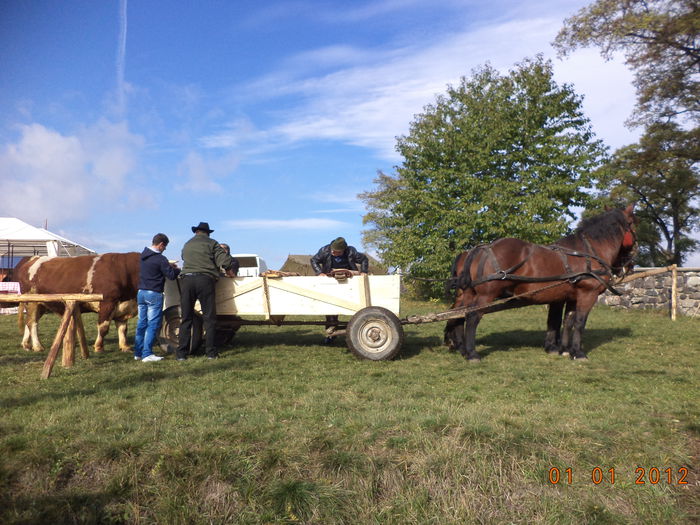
<point>152,357</point>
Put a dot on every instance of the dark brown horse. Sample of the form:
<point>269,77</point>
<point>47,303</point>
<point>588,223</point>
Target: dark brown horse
<point>568,274</point>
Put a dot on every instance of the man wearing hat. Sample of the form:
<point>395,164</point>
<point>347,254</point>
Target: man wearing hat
<point>335,256</point>
<point>203,258</point>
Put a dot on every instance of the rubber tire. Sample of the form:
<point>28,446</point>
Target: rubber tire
<point>374,322</point>
<point>170,331</point>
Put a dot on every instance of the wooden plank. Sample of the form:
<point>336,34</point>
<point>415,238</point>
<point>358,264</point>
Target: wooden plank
<point>642,275</point>
<point>50,297</point>
<point>68,357</point>
<point>302,295</point>
<point>247,287</point>
<point>306,292</point>
<point>58,340</point>
<point>266,297</point>
<point>365,297</point>
<point>80,328</point>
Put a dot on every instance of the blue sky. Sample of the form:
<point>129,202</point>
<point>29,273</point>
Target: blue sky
<point>122,119</point>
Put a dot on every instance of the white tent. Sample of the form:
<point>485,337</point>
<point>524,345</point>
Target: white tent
<point>19,239</point>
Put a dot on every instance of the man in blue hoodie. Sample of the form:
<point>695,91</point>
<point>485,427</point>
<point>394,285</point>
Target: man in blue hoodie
<point>155,268</point>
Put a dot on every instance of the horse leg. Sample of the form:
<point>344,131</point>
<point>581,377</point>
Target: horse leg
<point>552,341</point>
<point>468,349</point>
<point>580,317</point>
<point>454,334</point>
<point>566,336</point>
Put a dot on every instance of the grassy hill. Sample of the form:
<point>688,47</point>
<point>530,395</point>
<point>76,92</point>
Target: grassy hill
<point>282,429</point>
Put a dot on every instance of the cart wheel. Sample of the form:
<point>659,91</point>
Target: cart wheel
<point>170,331</point>
<point>374,333</point>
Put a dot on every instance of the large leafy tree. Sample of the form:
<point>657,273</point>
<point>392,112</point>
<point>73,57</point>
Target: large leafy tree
<point>661,173</point>
<point>496,156</point>
<point>661,43</point>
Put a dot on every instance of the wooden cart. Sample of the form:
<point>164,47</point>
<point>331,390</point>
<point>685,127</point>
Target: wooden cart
<point>373,331</point>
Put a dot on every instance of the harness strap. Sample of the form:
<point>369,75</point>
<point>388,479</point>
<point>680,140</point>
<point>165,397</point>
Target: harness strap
<point>482,262</point>
<point>563,253</point>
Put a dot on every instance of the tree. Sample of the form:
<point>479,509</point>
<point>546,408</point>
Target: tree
<point>497,156</point>
<point>661,45</point>
<point>661,172</point>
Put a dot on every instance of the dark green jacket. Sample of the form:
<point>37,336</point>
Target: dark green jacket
<point>202,254</point>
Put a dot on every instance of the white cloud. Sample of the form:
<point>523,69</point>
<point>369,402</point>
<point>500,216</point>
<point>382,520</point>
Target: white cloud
<point>200,173</point>
<point>369,105</point>
<point>234,134</point>
<point>291,224</point>
<point>48,175</point>
<point>345,197</point>
<point>609,96</point>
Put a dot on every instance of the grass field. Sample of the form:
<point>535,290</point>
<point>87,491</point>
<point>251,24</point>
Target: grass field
<point>282,429</point>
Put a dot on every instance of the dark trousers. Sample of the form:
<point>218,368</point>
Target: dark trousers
<point>331,320</point>
<point>193,287</point>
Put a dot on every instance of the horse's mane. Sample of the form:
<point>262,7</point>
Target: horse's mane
<point>599,227</point>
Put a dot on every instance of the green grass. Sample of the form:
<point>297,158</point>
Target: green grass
<point>282,429</point>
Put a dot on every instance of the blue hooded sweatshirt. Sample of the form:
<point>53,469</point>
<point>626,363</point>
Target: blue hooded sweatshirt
<point>155,268</point>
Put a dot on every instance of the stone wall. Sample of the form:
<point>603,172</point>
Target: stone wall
<point>655,292</point>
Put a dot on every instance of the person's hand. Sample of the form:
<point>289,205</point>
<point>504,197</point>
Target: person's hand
<point>322,274</point>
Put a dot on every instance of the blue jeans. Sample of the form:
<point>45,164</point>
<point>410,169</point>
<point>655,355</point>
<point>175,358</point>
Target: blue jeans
<point>150,316</point>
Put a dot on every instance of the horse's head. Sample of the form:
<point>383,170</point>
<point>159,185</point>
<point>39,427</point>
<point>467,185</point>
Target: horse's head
<point>628,248</point>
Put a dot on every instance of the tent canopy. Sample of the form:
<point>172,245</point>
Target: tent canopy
<point>19,239</point>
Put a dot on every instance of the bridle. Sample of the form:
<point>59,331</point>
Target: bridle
<point>628,251</point>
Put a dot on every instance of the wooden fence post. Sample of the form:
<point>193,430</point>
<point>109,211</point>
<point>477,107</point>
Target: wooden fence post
<point>674,292</point>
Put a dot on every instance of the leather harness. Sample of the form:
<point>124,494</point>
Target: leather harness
<point>564,254</point>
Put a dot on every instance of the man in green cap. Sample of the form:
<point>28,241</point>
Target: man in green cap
<point>338,256</point>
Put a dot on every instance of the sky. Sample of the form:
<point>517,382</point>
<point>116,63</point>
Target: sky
<point>121,119</point>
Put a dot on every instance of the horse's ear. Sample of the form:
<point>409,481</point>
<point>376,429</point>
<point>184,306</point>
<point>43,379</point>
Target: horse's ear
<point>606,207</point>
<point>630,208</point>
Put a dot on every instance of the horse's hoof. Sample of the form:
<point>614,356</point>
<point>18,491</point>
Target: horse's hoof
<point>473,360</point>
<point>553,352</point>
<point>580,358</point>
<point>564,354</point>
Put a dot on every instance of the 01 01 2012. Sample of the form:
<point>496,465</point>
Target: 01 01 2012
<point>607,475</point>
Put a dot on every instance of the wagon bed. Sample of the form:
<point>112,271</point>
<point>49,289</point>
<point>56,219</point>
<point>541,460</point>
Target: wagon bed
<point>372,302</point>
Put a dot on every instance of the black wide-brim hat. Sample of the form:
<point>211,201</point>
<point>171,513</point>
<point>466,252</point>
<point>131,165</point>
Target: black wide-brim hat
<point>202,226</point>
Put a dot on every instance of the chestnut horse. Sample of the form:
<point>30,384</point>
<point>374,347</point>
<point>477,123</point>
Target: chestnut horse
<point>568,274</point>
